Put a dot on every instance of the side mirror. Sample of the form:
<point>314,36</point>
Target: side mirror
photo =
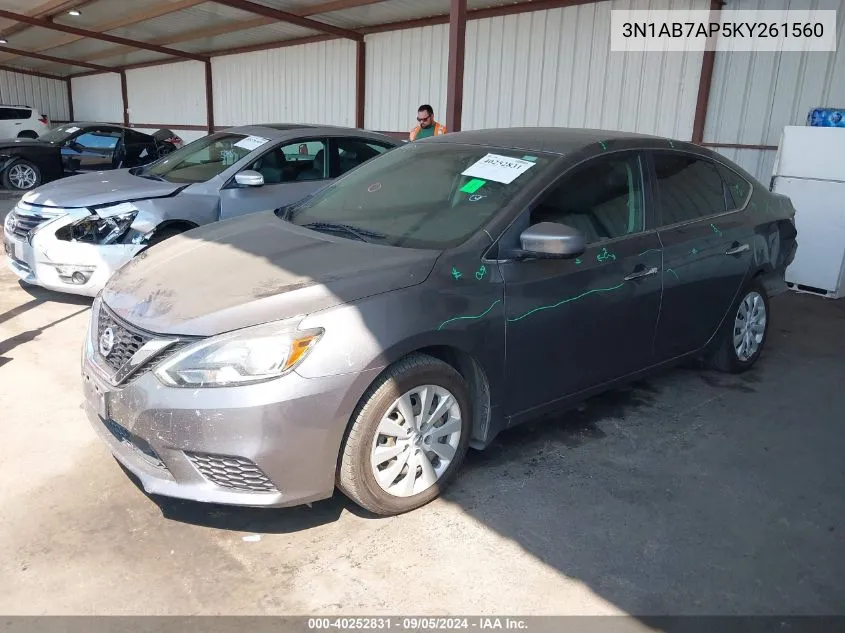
<point>551,239</point>
<point>249,178</point>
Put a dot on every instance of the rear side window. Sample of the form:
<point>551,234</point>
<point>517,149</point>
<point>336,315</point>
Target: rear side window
<point>9,114</point>
<point>738,188</point>
<point>689,188</point>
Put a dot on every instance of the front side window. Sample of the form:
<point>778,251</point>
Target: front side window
<point>603,199</point>
<point>690,188</point>
<point>418,196</point>
<point>353,152</point>
<point>201,160</point>
<point>302,160</point>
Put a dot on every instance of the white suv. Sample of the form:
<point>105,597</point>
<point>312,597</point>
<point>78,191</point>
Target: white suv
<point>22,122</point>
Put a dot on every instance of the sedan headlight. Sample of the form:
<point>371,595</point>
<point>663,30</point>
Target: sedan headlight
<point>246,356</point>
<point>96,229</point>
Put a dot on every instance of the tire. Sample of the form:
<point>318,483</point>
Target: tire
<point>726,358</point>
<point>21,175</point>
<point>357,477</point>
<point>166,233</point>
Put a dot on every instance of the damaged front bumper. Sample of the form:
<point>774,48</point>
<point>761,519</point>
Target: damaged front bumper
<point>41,258</point>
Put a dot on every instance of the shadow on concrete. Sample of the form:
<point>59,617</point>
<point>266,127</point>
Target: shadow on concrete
<point>30,335</point>
<point>42,295</point>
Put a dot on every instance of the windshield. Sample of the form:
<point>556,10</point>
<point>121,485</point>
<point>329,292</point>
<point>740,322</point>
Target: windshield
<point>203,159</point>
<point>432,195</point>
<point>59,134</point>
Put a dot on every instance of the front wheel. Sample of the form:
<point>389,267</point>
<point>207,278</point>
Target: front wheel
<point>743,335</point>
<point>22,176</point>
<point>408,437</point>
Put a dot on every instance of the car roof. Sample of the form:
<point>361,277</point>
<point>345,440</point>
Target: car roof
<point>553,140</point>
<point>282,131</point>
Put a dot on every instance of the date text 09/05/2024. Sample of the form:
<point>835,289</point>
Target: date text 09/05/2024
<point>725,29</point>
<point>417,623</point>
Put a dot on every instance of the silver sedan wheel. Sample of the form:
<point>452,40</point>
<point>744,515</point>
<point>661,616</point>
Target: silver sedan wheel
<point>416,440</point>
<point>749,326</point>
<point>22,176</point>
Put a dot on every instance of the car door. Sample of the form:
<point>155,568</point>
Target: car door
<point>290,173</point>
<point>92,149</point>
<point>576,323</point>
<point>136,149</point>
<point>706,246</point>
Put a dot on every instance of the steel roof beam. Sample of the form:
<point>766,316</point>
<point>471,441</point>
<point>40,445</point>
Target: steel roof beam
<point>10,15</point>
<point>291,18</point>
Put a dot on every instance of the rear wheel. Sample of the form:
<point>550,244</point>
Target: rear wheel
<point>21,176</point>
<point>408,437</point>
<point>743,335</point>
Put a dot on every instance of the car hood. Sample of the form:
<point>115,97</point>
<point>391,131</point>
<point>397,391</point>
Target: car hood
<point>252,270</point>
<point>6,143</point>
<point>99,188</point>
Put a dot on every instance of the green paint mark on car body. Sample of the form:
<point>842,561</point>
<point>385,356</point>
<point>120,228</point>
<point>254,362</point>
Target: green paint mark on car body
<point>669,270</point>
<point>481,272</point>
<point>463,318</point>
<point>715,229</point>
<point>456,273</point>
<point>651,250</point>
<point>605,255</point>
<point>578,261</point>
<point>569,300</point>
<point>603,146</point>
<point>532,159</point>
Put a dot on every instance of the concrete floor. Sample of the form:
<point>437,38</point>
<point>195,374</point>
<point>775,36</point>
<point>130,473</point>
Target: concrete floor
<point>692,493</point>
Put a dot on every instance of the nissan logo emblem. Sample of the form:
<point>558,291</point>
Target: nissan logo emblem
<point>107,341</point>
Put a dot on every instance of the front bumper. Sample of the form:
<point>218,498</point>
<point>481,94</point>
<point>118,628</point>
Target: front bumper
<point>41,261</point>
<point>273,444</point>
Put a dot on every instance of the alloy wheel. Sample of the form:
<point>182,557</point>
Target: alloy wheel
<point>22,176</point>
<point>416,440</point>
<point>749,326</point>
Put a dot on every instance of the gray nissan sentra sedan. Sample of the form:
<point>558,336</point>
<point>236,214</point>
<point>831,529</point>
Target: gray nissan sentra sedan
<point>365,337</point>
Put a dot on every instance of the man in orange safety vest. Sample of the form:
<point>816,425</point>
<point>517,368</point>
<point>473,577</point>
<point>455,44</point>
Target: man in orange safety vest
<point>427,125</point>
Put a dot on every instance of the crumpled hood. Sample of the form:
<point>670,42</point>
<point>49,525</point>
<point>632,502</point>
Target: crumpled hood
<point>252,270</point>
<point>98,188</point>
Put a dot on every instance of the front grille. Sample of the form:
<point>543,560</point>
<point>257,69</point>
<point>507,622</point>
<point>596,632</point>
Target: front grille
<point>232,472</point>
<point>140,446</point>
<point>22,221</point>
<point>158,358</point>
<point>126,341</point>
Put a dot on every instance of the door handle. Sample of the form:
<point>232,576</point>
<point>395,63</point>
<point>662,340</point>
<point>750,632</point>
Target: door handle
<point>641,274</point>
<point>736,250</point>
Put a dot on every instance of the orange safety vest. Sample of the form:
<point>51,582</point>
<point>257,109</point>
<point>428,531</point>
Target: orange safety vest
<point>438,130</point>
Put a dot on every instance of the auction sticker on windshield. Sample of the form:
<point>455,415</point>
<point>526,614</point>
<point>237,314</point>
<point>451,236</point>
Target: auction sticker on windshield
<point>498,168</point>
<point>252,142</point>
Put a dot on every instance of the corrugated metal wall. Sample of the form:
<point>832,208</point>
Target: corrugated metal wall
<point>48,95</point>
<point>556,68</point>
<point>167,94</point>
<point>185,135</point>
<point>97,98</point>
<point>405,69</point>
<point>755,94</point>
<point>312,83</point>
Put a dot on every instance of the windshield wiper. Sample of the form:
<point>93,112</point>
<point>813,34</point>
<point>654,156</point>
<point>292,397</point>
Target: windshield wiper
<point>361,234</point>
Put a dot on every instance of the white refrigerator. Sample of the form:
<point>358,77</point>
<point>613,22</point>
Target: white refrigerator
<point>810,169</point>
